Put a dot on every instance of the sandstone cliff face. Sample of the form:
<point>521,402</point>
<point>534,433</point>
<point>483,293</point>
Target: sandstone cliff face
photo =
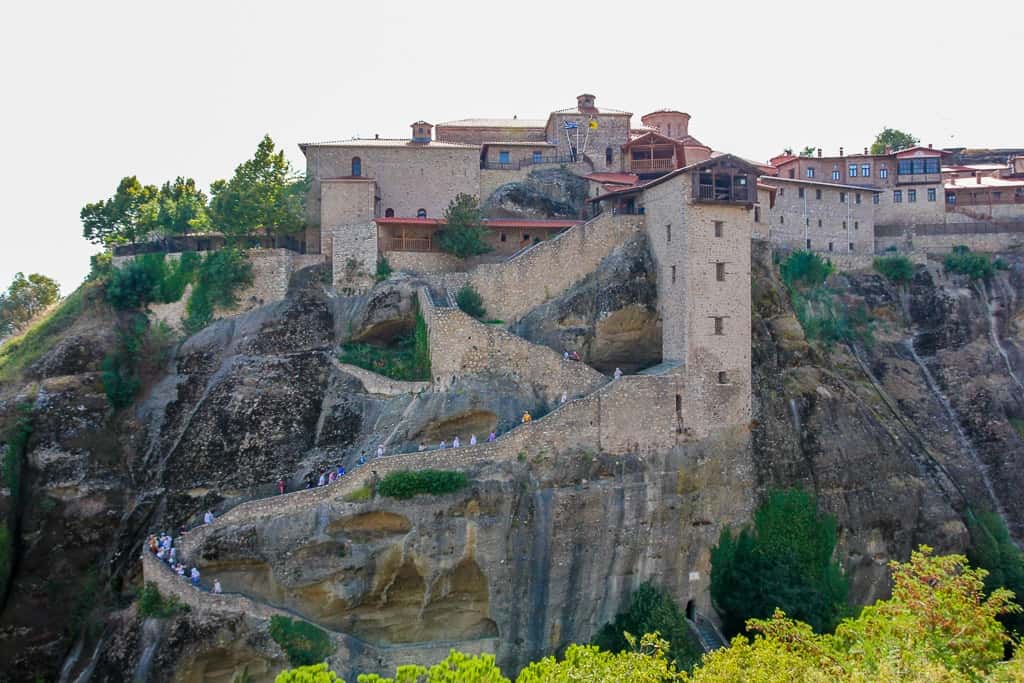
<point>896,438</point>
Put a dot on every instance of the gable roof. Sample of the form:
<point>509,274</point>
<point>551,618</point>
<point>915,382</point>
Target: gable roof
<point>731,159</point>
<point>649,138</point>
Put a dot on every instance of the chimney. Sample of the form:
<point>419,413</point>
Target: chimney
<point>929,145</point>
<point>376,136</point>
<point>977,177</point>
<point>840,151</point>
<point>819,152</point>
<point>865,151</point>
<point>585,103</point>
<point>421,132</point>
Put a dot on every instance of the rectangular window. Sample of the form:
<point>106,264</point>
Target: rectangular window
<point>856,225</point>
<point>931,165</point>
<point>719,325</point>
<point>842,197</point>
<point>951,198</point>
<point>800,192</point>
<point>906,167</point>
<point>853,170</point>
<point>807,221</point>
<point>817,194</point>
<point>810,172</point>
<point>830,246</point>
<point>883,172</point>
<point>819,222</point>
<point>844,225</point>
<point>503,157</point>
<point>856,197</point>
<point>720,271</point>
<point>835,175</point>
<point>897,196</point>
<point>865,170</point>
<point>808,243</point>
<point>782,192</point>
<point>718,228</point>
<point>757,214</point>
<point>673,274</point>
<point>723,377</point>
<point>931,194</point>
<point>782,219</point>
<point>851,246</point>
<point>504,237</point>
<point>668,232</point>
<point>538,157</point>
<point>875,197</point>
<point>911,195</point>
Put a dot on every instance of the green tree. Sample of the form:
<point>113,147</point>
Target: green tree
<point>645,662</point>
<point>457,667</point>
<point>265,193</point>
<point>992,549</point>
<point>180,208</point>
<point>899,269</point>
<point>651,610</point>
<point>25,298</point>
<point>894,139</point>
<point>470,302</point>
<point>317,673</point>
<point>123,218</point>
<point>809,151</point>
<point>464,233</point>
<point>784,561</point>
<point>304,643</point>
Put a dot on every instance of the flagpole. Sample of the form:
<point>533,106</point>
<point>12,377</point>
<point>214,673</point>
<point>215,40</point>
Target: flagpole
<point>586,138</point>
<point>568,141</point>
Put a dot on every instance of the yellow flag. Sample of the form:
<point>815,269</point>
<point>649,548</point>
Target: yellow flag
<point>593,124</point>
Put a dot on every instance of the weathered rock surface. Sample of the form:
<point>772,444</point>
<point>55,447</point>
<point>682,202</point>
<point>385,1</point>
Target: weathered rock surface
<point>544,193</point>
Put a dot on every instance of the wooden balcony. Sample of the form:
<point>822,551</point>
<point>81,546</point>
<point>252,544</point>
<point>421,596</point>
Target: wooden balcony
<point>736,194</point>
<point>408,243</point>
<point>651,165</point>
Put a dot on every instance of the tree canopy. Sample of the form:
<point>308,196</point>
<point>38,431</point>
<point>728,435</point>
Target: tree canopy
<point>651,610</point>
<point>179,208</point>
<point>124,218</point>
<point>464,233</point>
<point>893,138</point>
<point>808,151</point>
<point>25,298</point>
<point>265,193</point>
<point>784,561</point>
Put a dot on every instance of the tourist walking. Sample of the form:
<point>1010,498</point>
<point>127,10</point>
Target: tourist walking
<point>331,477</point>
<point>216,586</point>
<point>472,439</point>
<point>322,480</point>
<point>422,446</point>
<point>564,398</point>
<point>208,517</point>
<point>195,577</point>
<point>491,437</point>
<point>442,446</point>
<point>618,373</point>
<point>280,486</point>
<point>380,450</point>
<point>455,442</point>
<point>526,417</point>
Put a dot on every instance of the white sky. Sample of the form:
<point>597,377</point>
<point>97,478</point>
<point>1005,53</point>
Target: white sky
<point>93,91</point>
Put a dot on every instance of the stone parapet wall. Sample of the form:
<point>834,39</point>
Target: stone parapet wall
<point>940,238</point>
<point>381,385</point>
<point>461,345</point>
<point>512,288</point>
<point>424,263</point>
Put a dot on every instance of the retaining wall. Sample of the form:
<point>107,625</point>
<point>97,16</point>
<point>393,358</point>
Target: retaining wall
<point>381,385</point>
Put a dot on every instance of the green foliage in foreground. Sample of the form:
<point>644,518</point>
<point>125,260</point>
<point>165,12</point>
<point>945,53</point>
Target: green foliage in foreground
<point>784,561</point>
<point>408,483</point>
<point>975,266</point>
<point>317,673</point>
<point>153,604</point>
<point>40,336</point>
<point>898,269</point>
<point>470,302</point>
<point>652,610</point>
<point>303,642</point>
<point>938,626</point>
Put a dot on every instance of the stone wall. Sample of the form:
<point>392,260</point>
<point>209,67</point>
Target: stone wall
<point>344,202</point>
<point>612,132</point>
<point>461,345</point>
<point>354,257</point>
<point>512,288</point>
<point>940,238</point>
<point>381,385</point>
<point>687,254</point>
<point>423,262</point>
<point>842,220</point>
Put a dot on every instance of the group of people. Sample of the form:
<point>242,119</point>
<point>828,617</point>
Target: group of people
<point>329,476</point>
<point>456,442</point>
<point>163,547</point>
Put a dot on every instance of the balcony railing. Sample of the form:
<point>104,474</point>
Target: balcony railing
<point>711,193</point>
<point>649,165</point>
<point>529,161</point>
<point>408,244</point>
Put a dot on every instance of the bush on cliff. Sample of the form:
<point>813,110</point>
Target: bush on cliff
<point>975,266</point>
<point>408,483</point>
<point>13,456</point>
<point>153,604</point>
<point>784,561</point>
<point>304,643</point>
<point>822,315</point>
<point>898,269</point>
<point>804,267</point>
<point>652,610</point>
<point>217,282</point>
<point>470,302</point>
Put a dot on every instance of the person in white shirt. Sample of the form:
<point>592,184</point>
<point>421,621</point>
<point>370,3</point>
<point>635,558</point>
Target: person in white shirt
<point>565,397</point>
<point>472,439</point>
<point>618,373</point>
<point>455,442</point>
<point>208,518</point>
<point>216,586</point>
<point>380,450</point>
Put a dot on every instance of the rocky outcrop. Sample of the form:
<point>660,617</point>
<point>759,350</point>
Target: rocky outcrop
<point>544,193</point>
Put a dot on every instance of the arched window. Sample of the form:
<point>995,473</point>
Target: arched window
<point>357,167</point>
<point>389,213</point>
<point>608,156</point>
<point>421,213</point>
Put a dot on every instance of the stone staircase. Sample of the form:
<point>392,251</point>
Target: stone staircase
<point>709,637</point>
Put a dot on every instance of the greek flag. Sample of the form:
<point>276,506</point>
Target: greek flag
<point>571,125</point>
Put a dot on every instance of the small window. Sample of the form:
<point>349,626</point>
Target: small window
<point>883,172</point>
<point>720,271</point>
<point>853,170</point>
<point>673,274</point>
<point>719,225</point>
<point>817,194</point>
<point>844,225</point>
<point>875,196</point>
<point>842,197</point>
<point>608,156</point>
<point>950,198</point>
<point>810,172</point>
<point>782,192</point>
<point>835,175</point>
<point>504,237</point>
<point>856,225</point>
<point>723,377</point>
<point>897,196</point>
<point>504,157</point>
<point>911,195</point>
<point>807,220</point>
<point>856,197</point>
<point>931,194</point>
<point>526,236</point>
<point>668,232</point>
<point>830,246</point>
<point>357,167</point>
<point>851,246</point>
<point>538,157</point>
<point>792,173</point>
<point>808,243</point>
<point>800,192</point>
<point>757,214</point>
<point>782,219</point>
<point>421,213</point>
<point>865,170</point>
<point>719,325</point>
<point>819,222</point>
<point>389,213</point>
